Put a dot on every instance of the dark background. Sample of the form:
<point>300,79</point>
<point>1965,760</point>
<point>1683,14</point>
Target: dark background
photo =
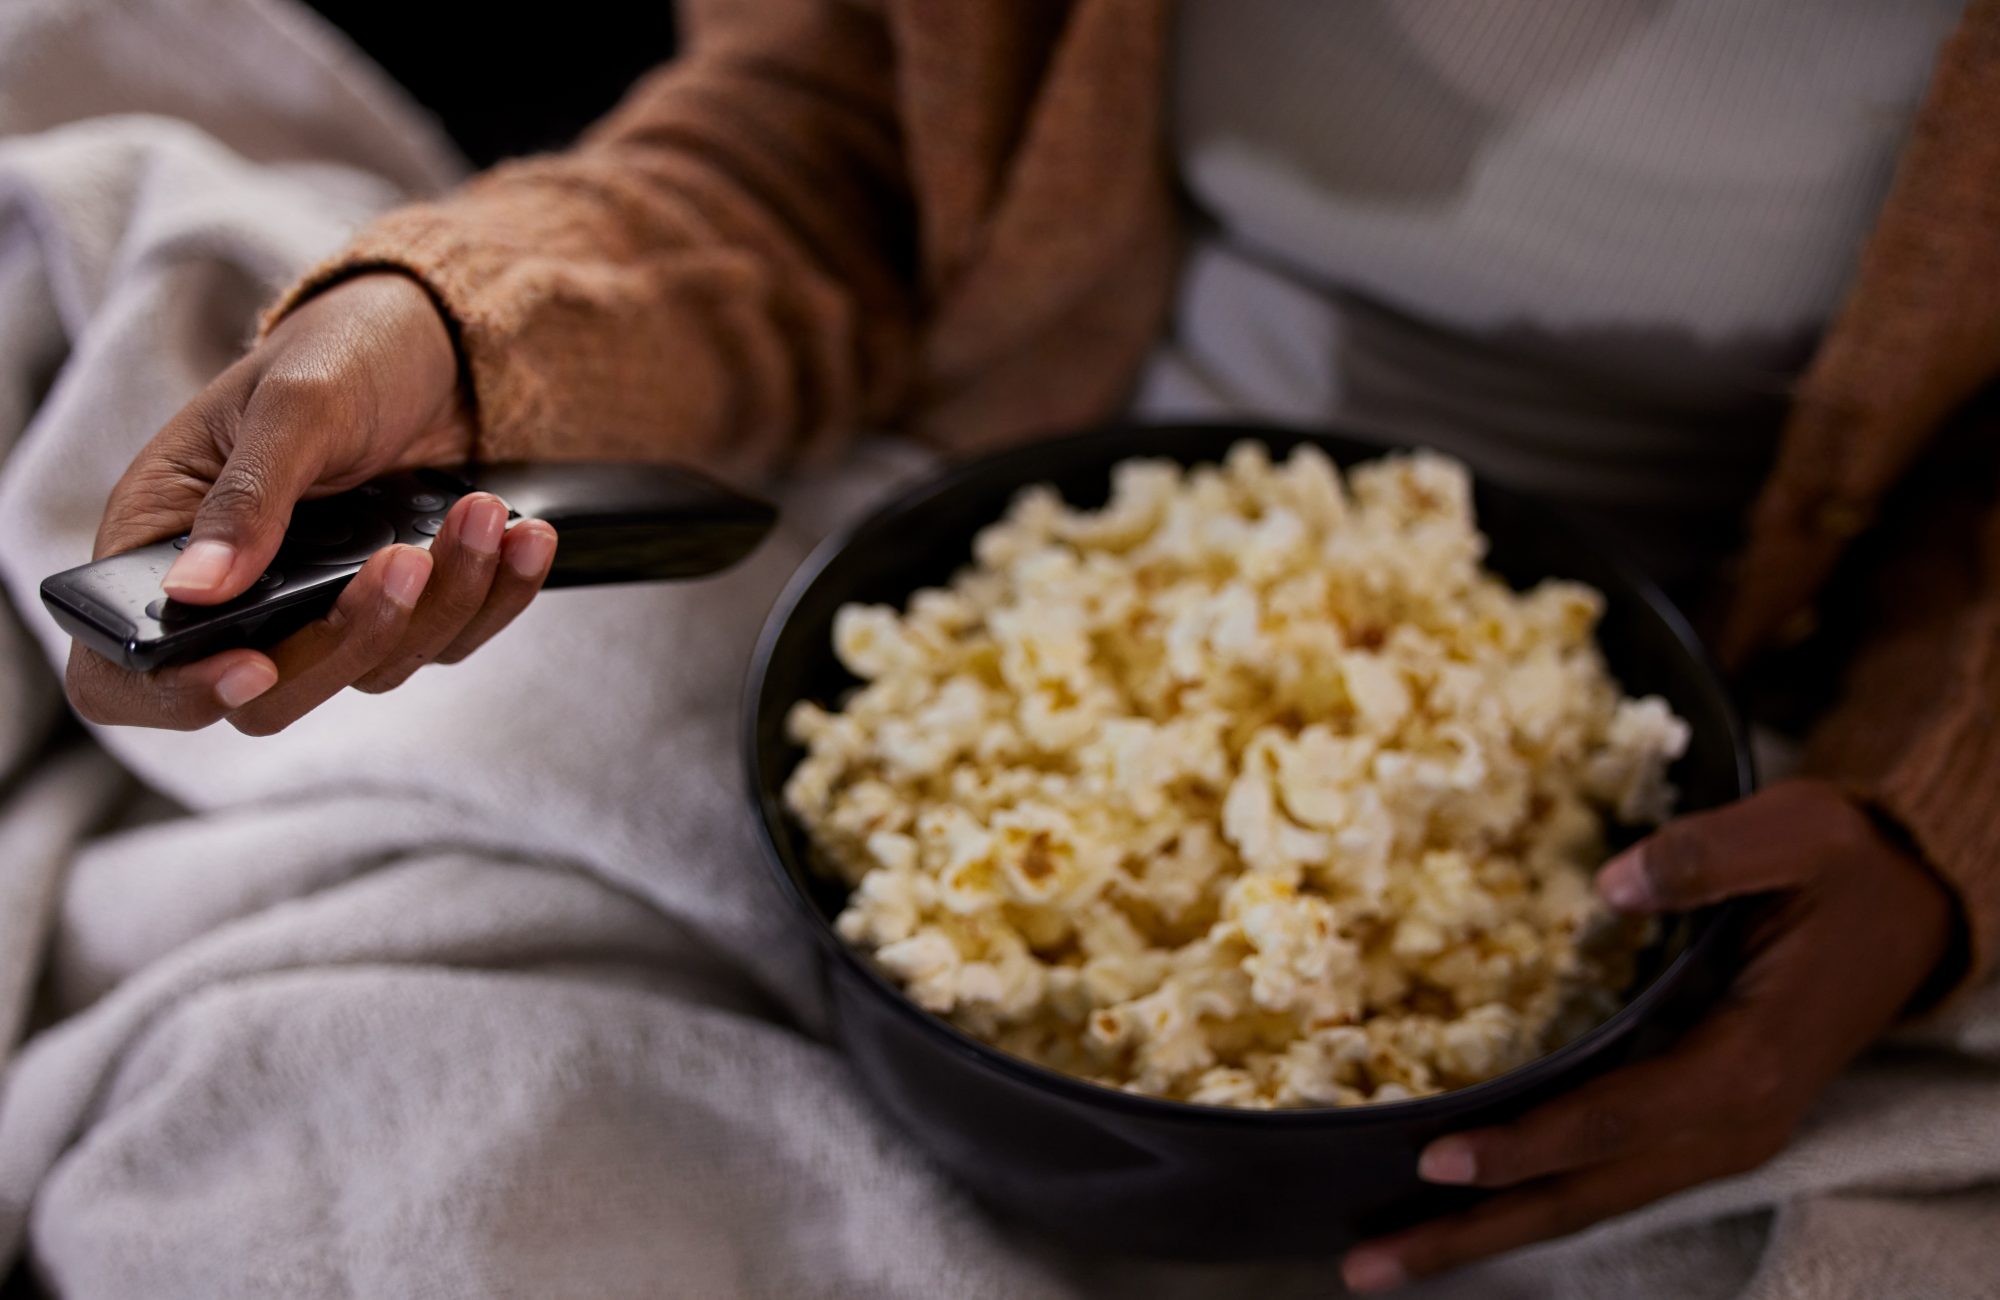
<point>508,80</point>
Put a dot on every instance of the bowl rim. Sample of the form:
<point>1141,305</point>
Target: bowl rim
<point>1711,925</point>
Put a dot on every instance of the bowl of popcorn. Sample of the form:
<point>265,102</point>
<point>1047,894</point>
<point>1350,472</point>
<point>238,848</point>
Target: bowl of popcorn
<point>1195,821</point>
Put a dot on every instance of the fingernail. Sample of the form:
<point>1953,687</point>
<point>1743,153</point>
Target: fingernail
<point>199,569</point>
<point>1372,1270</point>
<point>484,522</point>
<point>529,556</point>
<point>409,570</point>
<point>244,683</point>
<point>1447,1160</point>
<point>1623,884</point>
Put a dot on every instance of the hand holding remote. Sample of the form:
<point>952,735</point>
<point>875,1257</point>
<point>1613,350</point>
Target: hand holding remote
<point>359,381</point>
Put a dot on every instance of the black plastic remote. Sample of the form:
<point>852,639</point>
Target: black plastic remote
<point>613,522</point>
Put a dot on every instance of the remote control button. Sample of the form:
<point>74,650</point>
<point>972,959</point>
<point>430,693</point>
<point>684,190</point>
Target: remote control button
<point>318,528</point>
<point>424,501</point>
<point>181,542</point>
<point>429,525</point>
<point>166,611</point>
<point>270,578</point>
<point>333,532</point>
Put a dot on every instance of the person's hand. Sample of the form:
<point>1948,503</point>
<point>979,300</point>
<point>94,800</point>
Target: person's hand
<point>1857,928</point>
<point>360,380</point>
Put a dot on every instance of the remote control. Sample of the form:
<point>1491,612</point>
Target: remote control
<point>613,522</point>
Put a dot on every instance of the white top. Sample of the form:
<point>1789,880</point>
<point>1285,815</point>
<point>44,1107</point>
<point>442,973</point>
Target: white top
<point>1585,244</point>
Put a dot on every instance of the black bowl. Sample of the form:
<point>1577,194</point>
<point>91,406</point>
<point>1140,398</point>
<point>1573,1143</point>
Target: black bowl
<point>1119,1171</point>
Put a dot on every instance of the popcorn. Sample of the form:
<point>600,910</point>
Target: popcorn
<point>1251,788</point>
<point>1642,738</point>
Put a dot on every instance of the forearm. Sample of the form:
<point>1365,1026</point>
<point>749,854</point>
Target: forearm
<point>1913,734</point>
<point>719,271</point>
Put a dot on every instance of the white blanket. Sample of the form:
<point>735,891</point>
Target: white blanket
<point>478,989</point>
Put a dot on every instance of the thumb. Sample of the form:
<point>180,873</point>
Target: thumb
<point>241,520</point>
<point>1754,846</point>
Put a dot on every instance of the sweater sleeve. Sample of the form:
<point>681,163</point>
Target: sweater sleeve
<point>1915,732</point>
<point>722,270</point>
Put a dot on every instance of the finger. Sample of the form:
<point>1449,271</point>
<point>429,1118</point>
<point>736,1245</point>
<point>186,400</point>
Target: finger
<point>275,455</point>
<point>184,698</point>
<point>364,627</point>
<point>158,494</point>
<point>1748,847</point>
<point>1713,1079</point>
<point>525,556</point>
<point>464,558</point>
<point>1554,1208</point>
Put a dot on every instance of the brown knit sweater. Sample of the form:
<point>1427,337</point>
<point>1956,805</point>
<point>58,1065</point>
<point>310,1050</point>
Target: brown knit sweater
<point>956,218</point>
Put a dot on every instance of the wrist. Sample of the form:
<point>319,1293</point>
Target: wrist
<point>389,326</point>
<point>1945,919</point>
<point>436,336</point>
